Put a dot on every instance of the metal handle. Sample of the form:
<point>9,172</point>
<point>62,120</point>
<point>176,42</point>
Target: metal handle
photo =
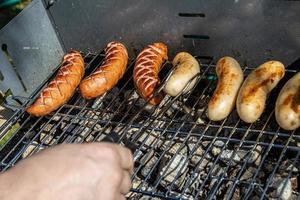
<point>14,103</point>
<point>50,3</point>
<point>114,137</point>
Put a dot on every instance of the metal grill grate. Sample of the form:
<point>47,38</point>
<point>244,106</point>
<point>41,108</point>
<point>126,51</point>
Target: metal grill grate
<point>179,153</point>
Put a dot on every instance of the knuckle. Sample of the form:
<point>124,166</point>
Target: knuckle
<point>109,152</point>
<point>116,177</point>
<point>130,157</point>
<point>103,151</point>
<point>128,183</point>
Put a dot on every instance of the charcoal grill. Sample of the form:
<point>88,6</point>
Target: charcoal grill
<point>179,153</point>
<point>152,132</point>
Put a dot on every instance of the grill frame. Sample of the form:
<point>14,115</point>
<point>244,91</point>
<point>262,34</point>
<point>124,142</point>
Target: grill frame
<point>73,112</point>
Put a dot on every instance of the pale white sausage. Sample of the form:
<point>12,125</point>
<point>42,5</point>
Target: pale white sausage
<point>253,93</point>
<point>287,110</point>
<point>230,78</point>
<point>186,67</point>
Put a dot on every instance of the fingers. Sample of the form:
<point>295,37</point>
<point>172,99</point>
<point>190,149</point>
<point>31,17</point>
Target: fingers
<point>126,158</point>
<point>123,155</point>
<point>126,183</point>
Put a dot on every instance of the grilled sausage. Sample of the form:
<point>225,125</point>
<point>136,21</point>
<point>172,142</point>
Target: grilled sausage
<point>108,74</point>
<point>146,69</point>
<point>287,110</point>
<point>253,93</point>
<point>230,78</point>
<point>186,67</point>
<point>62,87</point>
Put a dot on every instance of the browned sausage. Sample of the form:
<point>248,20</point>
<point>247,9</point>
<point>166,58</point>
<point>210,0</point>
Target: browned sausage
<point>230,79</point>
<point>108,74</point>
<point>62,87</point>
<point>146,69</point>
<point>253,94</point>
<point>287,109</point>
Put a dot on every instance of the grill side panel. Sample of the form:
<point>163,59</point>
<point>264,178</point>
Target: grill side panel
<point>33,48</point>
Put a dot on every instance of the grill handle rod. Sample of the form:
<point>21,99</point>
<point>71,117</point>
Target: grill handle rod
<point>114,137</point>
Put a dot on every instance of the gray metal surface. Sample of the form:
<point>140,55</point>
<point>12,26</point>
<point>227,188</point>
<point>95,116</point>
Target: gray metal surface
<point>10,79</point>
<point>252,31</point>
<point>33,46</point>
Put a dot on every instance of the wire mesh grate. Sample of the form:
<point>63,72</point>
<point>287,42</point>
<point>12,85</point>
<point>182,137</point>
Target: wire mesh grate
<point>178,152</point>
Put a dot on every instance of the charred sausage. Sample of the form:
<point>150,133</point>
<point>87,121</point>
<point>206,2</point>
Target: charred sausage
<point>62,87</point>
<point>108,74</point>
<point>146,69</point>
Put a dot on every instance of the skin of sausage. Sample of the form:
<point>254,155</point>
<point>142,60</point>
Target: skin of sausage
<point>186,67</point>
<point>62,87</point>
<point>230,78</point>
<point>108,74</point>
<point>287,110</point>
<point>146,69</point>
<point>253,93</point>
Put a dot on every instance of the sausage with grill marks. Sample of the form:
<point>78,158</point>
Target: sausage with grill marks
<point>62,87</point>
<point>287,110</point>
<point>253,93</point>
<point>108,74</point>
<point>230,78</point>
<point>146,69</point>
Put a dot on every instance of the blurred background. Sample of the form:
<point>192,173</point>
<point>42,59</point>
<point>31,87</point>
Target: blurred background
<point>10,8</point>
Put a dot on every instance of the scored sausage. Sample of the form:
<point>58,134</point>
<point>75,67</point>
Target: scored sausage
<point>287,109</point>
<point>62,87</point>
<point>253,93</point>
<point>146,69</point>
<point>186,68</point>
<point>230,78</point>
<point>108,74</point>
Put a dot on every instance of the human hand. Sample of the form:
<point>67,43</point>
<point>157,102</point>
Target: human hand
<point>71,171</point>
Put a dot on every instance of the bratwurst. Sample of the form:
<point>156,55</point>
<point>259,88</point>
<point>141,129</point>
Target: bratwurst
<point>253,93</point>
<point>230,78</point>
<point>186,68</point>
<point>287,110</point>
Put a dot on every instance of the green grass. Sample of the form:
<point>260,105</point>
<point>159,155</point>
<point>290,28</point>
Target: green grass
<point>20,6</point>
<point>9,134</point>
